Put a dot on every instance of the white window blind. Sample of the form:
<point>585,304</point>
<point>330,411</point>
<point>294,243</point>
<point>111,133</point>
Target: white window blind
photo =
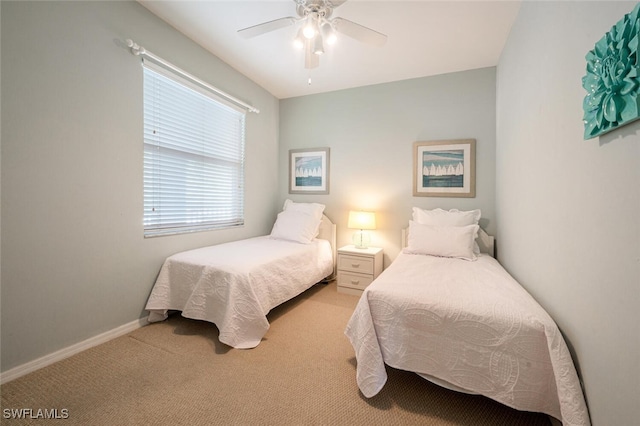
<point>193,156</point>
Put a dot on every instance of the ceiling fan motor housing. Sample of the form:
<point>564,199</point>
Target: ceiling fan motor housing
<point>318,8</point>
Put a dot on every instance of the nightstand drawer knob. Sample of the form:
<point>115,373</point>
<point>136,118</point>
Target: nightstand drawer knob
<point>355,265</point>
<point>355,282</point>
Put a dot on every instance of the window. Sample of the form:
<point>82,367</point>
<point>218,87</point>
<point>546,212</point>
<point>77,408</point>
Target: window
<point>193,156</point>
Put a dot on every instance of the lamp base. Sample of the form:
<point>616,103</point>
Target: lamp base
<point>361,239</point>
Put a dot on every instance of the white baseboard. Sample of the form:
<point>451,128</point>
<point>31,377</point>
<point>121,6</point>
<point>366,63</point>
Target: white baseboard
<point>46,360</point>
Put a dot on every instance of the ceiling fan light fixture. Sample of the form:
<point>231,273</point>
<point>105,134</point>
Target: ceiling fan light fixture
<point>328,33</point>
<point>318,47</point>
<point>299,41</point>
<point>310,28</point>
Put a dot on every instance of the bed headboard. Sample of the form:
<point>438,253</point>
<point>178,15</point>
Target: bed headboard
<point>485,241</point>
<point>327,232</point>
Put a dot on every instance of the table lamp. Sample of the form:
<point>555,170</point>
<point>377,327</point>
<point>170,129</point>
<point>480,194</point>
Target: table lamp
<point>362,221</point>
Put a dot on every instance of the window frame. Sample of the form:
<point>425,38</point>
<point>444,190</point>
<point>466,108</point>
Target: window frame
<point>164,213</point>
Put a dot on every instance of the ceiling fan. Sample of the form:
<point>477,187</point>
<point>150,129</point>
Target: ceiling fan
<point>317,29</point>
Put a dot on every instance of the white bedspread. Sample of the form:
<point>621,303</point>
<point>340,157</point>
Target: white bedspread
<point>234,285</point>
<point>469,324</point>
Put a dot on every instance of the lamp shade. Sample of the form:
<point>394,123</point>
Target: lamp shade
<point>362,220</point>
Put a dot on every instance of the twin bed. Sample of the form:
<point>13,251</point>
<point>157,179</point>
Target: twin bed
<point>461,321</point>
<point>444,308</point>
<point>234,285</point>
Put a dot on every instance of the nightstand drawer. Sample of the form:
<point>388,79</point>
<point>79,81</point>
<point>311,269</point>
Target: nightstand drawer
<point>357,281</point>
<point>362,265</point>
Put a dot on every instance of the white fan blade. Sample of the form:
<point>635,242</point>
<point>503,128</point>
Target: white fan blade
<point>266,27</point>
<point>359,32</point>
<point>334,3</point>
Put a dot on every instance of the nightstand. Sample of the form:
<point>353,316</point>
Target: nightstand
<point>357,268</point>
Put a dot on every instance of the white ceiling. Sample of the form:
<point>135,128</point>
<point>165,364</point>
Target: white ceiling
<point>424,38</point>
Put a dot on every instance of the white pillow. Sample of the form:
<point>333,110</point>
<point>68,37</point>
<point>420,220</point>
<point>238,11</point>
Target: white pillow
<point>453,217</point>
<point>292,225</point>
<point>441,217</point>
<point>445,241</point>
<point>314,209</point>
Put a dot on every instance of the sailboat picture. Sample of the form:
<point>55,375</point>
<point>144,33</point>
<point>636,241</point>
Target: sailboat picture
<point>444,168</point>
<point>309,171</point>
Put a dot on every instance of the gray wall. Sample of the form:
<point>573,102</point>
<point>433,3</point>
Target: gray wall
<point>74,260</point>
<point>371,131</point>
<point>568,208</point>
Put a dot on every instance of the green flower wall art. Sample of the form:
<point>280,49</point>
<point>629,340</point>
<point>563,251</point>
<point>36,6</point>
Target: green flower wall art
<point>612,84</point>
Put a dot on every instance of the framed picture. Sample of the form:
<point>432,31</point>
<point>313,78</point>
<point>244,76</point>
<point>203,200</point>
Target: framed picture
<point>309,171</point>
<point>444,168</point>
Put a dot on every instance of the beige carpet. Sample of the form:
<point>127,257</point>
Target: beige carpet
<point>303,373</point>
